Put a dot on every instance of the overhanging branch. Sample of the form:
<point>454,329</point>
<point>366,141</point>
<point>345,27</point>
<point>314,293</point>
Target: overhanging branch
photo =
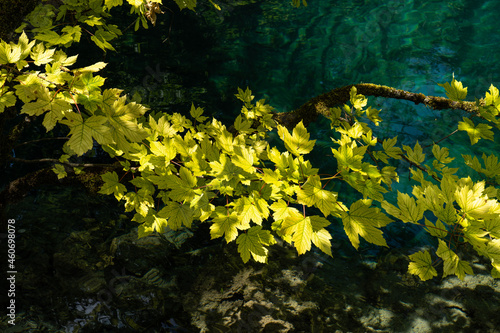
<point>339,96</point>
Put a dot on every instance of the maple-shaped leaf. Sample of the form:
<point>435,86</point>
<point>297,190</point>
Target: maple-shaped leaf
<point>441,154</point>
<point>362,220</point>
<point>83,131</point>
<point>390,150</point>
<point>189,4</point>
<point>438,230</point>
<point>165,148</point>
<point>313,194</point>
<point>481,131</point>
<point>321,237</point>
<point>474,202</point>
<point>7,99</point>
<point>409,210</point>
<point>452,264</point>
<point>9,53</point>
<point>177,215</point>
<point>349,157</point>
<point>123,119</point>
<point>252,208</point>
<point>282,210</point>
<point>298,142</point>
<point>421,265</point>
<point>244,158</point>
<point>251,243</point>
<point>415,155</point>
<point>455,91</point>
<point>112,185</point>
<point>225,225</point>
<point>298,229</point>
<point>40,55</point>
<point>138,201</point>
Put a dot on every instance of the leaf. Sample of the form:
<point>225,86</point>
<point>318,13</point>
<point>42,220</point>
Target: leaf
<point>357,101</point>
<point>244,158</point>
<point>225,225</point>
<point>312,193</point>
<point>282,210</point>
<point>408,211</point>
<point>455,91</point>
<point>301,231</point>
<point>421,265</point>
<point>390,150</point>
<point>452,264</point>
<point>364,221</point>
<point>7,99</point>
<point>252,243</point>
<point>475,132</point>
<point>441,154</point>
<point>438,230</point>
<point>415,155</point>
<point>321,237</point>
<point>251,208</point>
<point>40,55</point>
<point>196,113</point>
<point>113,3</point>
<point>9,53</point>
<point>53,38</point>
<point>83,131</point>
<point>177,215</point>
<point>298,143</point>
<point>112,185</point>
<point>189,4</point>
<point>93,68</point>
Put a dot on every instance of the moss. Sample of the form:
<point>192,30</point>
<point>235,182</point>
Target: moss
<point>13,13</point>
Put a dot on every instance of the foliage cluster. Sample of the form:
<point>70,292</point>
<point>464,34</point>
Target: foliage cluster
<point>196,170</point>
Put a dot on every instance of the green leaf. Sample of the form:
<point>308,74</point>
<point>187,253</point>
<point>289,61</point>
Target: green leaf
<point>53,38</point>
<point>252,243</point>
<point>408,211</point>
<point>113,3</point>
<point>301,231</point>
<point>94,68</point>
<point>177,215</point>
<point>357,101</point>
<point>415,155</point>
<point>7,99</point>
<point>40,55</point>
<point>438,230</point>
<point>364,221</point>
<point>60,171</point>
<point>83,131</point>
<point>475,132</point>
<point>441,154</point>
<point>196,113</point>
<point>189,4</point>
<point>225,225</point>
<point>9,53</point>
<point>251,209</point>
<point>421,265</point>
<point>312,193</point>
<point>390,150</point>
<point>321,237</point>
<point>452,264</point>
<point>455,91</point>
<point>112,185</point>
<point>298,143</point>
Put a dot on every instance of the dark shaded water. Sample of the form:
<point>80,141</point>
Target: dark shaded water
<point>287,56</point>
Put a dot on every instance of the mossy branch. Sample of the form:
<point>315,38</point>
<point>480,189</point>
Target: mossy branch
<point>322,103</point>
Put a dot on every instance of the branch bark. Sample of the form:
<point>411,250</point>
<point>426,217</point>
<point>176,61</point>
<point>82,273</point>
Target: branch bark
<point>339,96</point>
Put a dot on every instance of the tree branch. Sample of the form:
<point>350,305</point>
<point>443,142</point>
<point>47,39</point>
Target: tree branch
<point>322,103</point>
